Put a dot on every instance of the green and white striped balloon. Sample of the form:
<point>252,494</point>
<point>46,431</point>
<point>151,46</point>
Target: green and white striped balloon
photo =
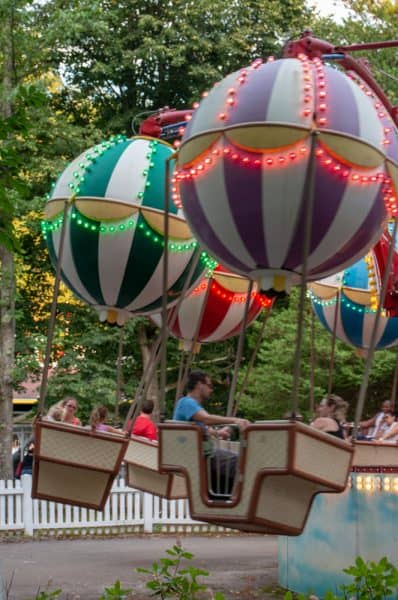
<point>114,242</point>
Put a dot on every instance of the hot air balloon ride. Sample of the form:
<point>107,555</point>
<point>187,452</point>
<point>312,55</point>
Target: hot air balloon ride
<point>284,176</point>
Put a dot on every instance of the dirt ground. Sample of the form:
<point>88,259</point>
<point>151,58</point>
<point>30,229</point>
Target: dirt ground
<point>241,566</point>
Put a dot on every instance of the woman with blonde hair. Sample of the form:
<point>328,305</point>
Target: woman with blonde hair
<point>69,404</point>
<point>331,416</point>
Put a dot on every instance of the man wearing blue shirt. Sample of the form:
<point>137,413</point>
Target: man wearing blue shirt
<point>189,408</point>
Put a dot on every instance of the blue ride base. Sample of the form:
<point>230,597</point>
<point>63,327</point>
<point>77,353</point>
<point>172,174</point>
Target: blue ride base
<point>361,521</point>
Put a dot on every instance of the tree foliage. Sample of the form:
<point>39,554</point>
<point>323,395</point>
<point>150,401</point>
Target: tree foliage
<point>128,57</point>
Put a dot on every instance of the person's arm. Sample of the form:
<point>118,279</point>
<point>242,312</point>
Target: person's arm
<point>324,424</point>
<point>369,423</point>
<point>111,429</point>
<point>317,423</point>
<point>208,419</point>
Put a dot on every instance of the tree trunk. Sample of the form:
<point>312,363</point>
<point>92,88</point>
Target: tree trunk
<point>7,282</point>
<point>153,389</point>
<point>7,348</point>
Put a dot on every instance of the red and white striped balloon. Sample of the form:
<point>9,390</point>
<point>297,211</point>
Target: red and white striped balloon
<point>225,295</point>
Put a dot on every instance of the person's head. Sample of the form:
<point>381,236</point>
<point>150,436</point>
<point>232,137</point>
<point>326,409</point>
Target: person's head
<point>341,408</point>
<point>147,407</point>
<point>56,412</point>
<point>387,406</point>
<point>30,446</point>
<point>389,418</point>
<point>98,415</point>
<point>69,404</point>
<point>329,405</point>
<point>199,384</point>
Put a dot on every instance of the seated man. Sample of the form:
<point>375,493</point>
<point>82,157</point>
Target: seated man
<point>189,408</point>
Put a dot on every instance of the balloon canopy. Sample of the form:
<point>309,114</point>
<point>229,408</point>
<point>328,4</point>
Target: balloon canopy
<point>114,240</point>
<point>354,293</point>
<point>243,171</point>
<point>216,306</point>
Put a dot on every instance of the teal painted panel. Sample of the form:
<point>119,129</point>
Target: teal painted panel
<point>340,527</point>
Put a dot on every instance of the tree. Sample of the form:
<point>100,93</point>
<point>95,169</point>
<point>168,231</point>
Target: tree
<point>27,120</point>
<point>129,57</point>
<point>6,255</point>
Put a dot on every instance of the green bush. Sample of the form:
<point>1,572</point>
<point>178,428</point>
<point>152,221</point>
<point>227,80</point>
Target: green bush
<point>372,581</point>
<point>116,592</point>
<point>169,580</point>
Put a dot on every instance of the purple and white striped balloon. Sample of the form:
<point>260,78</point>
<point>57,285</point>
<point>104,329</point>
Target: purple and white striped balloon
<point>243,163</point>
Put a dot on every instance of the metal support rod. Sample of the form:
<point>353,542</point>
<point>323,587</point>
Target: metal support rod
<point>309,208</point>
<point>239,351</point>
<point>53,312</point>
<point>369,360</point>
<point>194,341</point>
<point>369,46</point>
<point>333,349</point>
<point>155,354</point>
<point>253,357</point>
<point>138,392</point>
<point>312,363</point>
<point>180,376</point>
<point>119,374</point>
<point>174,314</point>
<point>163,330</point>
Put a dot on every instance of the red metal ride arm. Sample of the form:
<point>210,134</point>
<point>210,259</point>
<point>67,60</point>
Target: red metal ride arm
<point>154,124</point>
<point>380,251</point>
<point>314,47</point>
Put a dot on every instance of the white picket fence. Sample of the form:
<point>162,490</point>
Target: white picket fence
<point>127,510</point>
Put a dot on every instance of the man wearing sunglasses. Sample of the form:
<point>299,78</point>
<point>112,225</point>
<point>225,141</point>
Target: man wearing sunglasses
<point>190,408</point>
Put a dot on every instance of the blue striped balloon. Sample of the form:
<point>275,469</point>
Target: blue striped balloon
<point>354,294</point>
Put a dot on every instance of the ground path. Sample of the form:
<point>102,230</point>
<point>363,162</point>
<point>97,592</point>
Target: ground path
<point>241,566</point>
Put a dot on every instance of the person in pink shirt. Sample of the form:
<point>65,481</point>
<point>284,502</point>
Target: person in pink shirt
<point>144,426</point>
<point>97,421</point>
